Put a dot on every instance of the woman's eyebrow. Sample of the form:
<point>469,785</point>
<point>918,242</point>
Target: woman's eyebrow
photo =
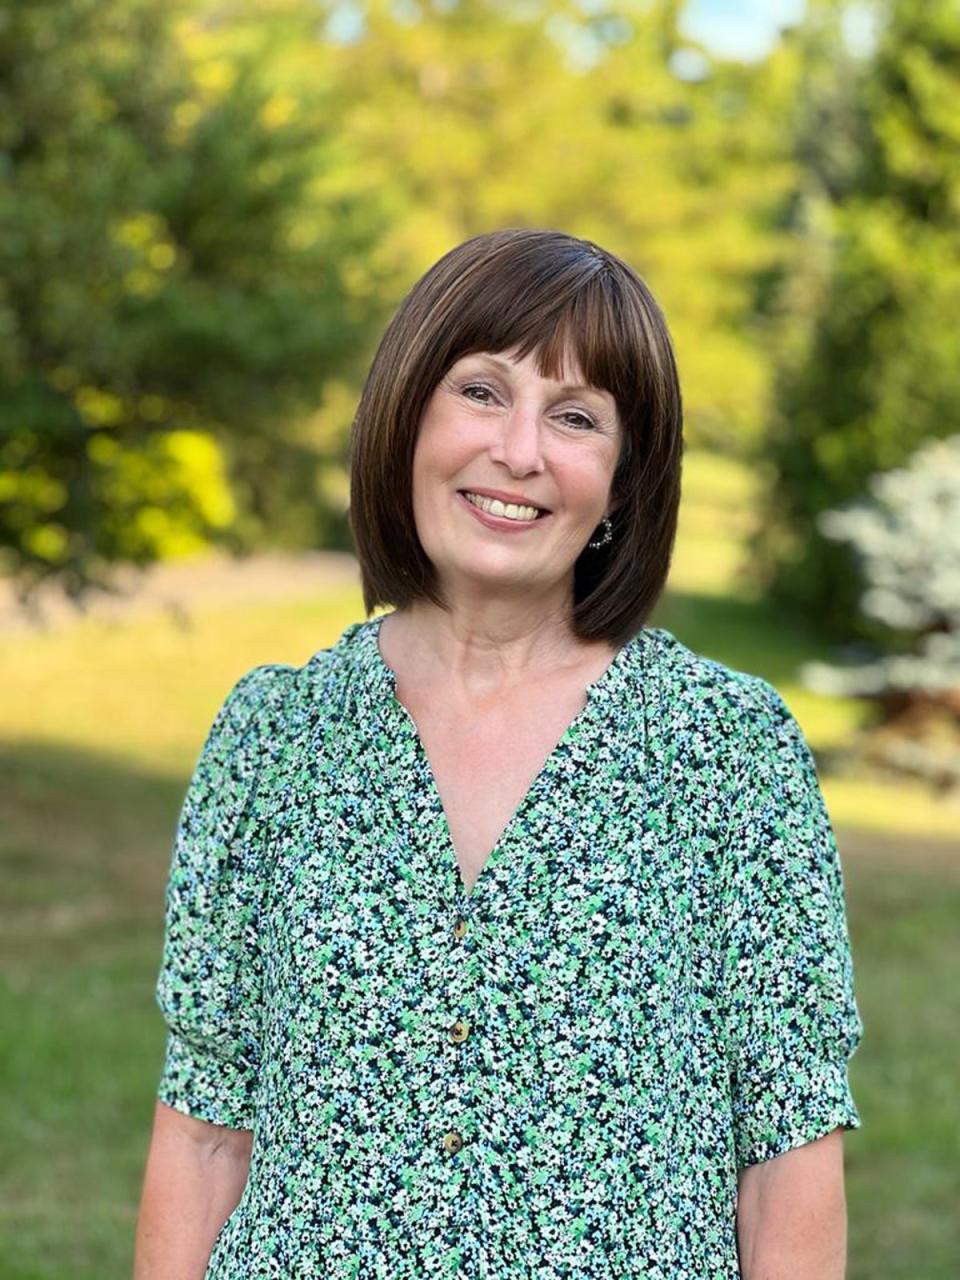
<point>567,389</point>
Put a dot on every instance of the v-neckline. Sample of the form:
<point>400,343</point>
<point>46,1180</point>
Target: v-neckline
<point>596,691</point>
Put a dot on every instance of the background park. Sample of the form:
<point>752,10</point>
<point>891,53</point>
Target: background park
<point>208,213</point>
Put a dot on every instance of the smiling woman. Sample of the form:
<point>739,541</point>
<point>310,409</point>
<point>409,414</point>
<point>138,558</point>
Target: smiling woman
<point>524,354</point>
<point>531,425</point>
<point>512,928</point>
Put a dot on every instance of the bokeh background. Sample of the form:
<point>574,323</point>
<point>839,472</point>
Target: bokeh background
<point>208,213</point>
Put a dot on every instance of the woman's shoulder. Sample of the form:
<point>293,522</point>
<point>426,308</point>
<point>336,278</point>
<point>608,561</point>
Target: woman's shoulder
<point>276,690</point>
<point>715,721</point>
<point>280,704</point>
<point>257,701</point>
<point>697,690</point>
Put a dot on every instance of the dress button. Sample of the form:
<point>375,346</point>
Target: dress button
<point>459,1031</point>
<point>452,1142</point>
<point>460,928</point>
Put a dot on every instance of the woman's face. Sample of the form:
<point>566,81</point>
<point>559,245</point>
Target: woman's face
<point>493,423</point>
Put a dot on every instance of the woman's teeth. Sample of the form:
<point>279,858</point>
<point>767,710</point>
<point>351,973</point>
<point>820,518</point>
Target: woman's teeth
<point>509,510</point>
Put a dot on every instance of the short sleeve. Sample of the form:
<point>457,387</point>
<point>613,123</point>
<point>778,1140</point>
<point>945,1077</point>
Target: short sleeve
<point>210,983</point>
<point>788,998</point>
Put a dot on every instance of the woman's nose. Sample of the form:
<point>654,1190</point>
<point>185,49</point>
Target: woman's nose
<point>519,441</point>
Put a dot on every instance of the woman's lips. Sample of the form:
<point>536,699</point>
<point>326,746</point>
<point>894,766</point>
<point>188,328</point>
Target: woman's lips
<point>501,523</point>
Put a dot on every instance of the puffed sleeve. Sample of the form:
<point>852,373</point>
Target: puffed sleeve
<point>789,1007</point>
<point>209,986</point>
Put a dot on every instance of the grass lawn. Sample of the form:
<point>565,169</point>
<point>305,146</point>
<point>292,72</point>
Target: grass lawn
<point>99,728</point>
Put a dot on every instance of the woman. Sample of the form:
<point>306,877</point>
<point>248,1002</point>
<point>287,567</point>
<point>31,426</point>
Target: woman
<point>506,936</point>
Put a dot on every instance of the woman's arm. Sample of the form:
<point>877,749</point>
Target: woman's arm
<point>195,1176</point>
<point>792,1214</point>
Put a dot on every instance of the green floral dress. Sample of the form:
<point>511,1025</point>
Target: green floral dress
<point>558,1074</point>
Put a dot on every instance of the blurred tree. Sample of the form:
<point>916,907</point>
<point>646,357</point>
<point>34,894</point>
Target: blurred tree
<point>599,120</point>
<point>254,185</point>
<point>869,312</point>
<point>906,534</point>
<point>173,293</point>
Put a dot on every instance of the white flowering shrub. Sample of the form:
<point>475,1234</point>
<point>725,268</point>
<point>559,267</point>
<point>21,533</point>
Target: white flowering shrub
<point>906,534</point>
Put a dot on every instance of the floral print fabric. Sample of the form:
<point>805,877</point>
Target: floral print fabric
<point>557,1074</point>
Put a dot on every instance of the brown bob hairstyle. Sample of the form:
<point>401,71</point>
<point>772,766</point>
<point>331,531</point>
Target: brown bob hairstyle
<point>531,290</point>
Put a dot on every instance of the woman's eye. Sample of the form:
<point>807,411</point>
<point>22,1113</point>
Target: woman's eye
<point>588,423</point>
<point>476,386</point>
<point>583,423</point>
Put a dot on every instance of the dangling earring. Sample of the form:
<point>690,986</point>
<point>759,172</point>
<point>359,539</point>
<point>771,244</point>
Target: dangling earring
<point>607,534</point>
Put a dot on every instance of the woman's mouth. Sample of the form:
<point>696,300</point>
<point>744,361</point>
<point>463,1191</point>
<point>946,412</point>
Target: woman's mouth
<point>499,515</point>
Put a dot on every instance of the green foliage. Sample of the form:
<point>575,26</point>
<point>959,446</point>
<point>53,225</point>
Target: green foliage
<point>164,283</point>
<point>870,312</point>
<point>210,211</point>
<point>481,115</point>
